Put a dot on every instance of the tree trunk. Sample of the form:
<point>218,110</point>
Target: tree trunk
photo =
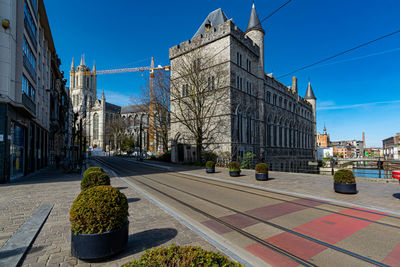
<point>198,151</point>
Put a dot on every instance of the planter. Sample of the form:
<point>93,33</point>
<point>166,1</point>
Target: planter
<point>345,188</point>
<point>210,170</point>
<point>261,176</point>
<point>99,246</point>
<point>234,173</point>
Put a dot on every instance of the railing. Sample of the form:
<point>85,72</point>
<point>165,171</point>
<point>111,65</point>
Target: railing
<point>28,103</point>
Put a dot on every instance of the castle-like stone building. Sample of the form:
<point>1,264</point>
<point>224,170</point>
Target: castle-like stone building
<point>261,115</point>
<point>96,114</point>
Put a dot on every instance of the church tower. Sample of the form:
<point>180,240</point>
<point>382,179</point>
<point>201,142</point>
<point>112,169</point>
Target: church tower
<point>310,98</point>
<point>256,33</point>
<point>83,83</point>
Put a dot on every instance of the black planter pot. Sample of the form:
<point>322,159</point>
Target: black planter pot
<point>261,176</point>
<point>345,188</point>
<point>210,170</point>
<point>234,173</point>
<point>99,246</point>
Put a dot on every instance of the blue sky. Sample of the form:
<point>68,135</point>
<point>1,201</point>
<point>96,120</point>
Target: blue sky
<point>356,92</point>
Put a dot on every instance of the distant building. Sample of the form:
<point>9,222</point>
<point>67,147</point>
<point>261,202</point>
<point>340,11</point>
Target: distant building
<point>391,147</point>
<point>324,152</point>
<point>323,139</point>
<point>262,115</point>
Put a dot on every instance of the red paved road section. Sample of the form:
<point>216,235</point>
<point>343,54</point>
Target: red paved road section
<point>331,229</point>
<point>393,259</point>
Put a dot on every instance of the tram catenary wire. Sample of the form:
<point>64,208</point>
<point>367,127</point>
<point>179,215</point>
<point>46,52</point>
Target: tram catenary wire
<point>344,251</point>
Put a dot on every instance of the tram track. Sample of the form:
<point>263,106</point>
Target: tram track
<point>240,231</point>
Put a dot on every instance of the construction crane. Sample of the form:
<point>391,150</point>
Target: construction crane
<point>151,69</point>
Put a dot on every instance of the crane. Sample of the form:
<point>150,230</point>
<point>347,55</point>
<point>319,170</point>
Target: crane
<point>151,69</point>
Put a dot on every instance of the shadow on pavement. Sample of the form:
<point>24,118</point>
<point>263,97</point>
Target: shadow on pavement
<point>141,241</point>
<point>133,199</point>
<point>397,195</point>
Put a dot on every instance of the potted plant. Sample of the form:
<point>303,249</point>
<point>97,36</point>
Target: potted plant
<point>210,167</point>
<point>99,223</point>
<point>345,182</point>
<point>234,169</point>
<point>261,172</point>
<point>94,178</point>
<point>93,169</point>
<point>181,256</point>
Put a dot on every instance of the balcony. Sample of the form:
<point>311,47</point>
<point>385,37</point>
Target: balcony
<point>29,104</point>
<point>30,68</point>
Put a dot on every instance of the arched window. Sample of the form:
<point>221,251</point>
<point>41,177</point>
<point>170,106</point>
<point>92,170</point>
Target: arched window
<point>95,126</point>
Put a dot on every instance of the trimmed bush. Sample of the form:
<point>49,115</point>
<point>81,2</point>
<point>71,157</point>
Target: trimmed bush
<point>344,177</point>
<point>98,209</point>
<point>180,256</point>
<point>234,166</point>
<point>94,178</point>
<point>93,169</point>
<point>261,168</point>
<point>210,165</point>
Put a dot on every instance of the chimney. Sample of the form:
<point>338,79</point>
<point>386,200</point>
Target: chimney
<point>294,84</point>
<point>363,136</point>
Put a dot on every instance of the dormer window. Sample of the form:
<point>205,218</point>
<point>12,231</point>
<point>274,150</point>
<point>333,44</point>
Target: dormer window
<point>207,25</point>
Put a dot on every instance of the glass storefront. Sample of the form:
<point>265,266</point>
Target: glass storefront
<point>17,151</point>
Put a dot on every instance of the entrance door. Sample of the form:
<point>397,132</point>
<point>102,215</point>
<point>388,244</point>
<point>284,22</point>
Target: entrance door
<point>180,153</point>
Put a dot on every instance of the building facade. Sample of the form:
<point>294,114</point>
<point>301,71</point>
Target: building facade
<point>261,115</point>
<point>97,115</point>
<point>29,74</point>
<point>390,147</point>
<point>323,139</point>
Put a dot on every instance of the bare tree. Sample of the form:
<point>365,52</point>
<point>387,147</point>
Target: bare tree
<point>199,94</point>
<point>156,94</point>
<point>117,128</point>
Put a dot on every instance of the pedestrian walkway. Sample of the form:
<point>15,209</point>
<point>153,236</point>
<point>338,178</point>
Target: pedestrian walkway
<point>371,193</point>
<point>149,225</point>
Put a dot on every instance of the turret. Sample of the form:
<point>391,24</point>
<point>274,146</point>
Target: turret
<point>72,75</point>
<point>256,33</point>
<point>294,85</point>
<point>310,98</point>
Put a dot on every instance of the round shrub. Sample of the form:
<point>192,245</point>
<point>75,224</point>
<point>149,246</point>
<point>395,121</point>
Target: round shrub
<point>210,165</point>
<point>98,209</point>
<point>94,179</point>
<point>93,169</point>
<point>344,177</point>
<point>234,166</point>
<point>261,168</point>
<point>180,256</point>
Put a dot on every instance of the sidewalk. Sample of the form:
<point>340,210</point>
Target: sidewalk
<point>371,193</point>
<point>149,225</point>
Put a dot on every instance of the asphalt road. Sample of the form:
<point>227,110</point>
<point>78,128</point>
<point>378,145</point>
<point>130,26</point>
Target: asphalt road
<point>279,229</point>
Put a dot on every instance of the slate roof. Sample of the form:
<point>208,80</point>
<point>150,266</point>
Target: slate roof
<point>112,107</point>
<point>309,93</point>
<point>254,21</point>
<point>134,108</point>
<point>215,18</point>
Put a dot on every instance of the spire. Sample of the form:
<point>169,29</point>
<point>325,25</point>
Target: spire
<point>254,21</point>
<point>103,96</point>
<point>94,67</point>
<point>72,64</point>
<point>309,93</point>
<point>83,59</point>
<point>324,129</point>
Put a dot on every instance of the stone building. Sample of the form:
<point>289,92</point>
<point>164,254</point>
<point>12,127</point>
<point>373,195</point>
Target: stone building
<point>261,115</point>
<point>31,89</point>
<point>96,114</point>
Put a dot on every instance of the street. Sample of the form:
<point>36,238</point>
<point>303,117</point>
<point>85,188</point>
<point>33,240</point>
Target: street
<point>279,229</point>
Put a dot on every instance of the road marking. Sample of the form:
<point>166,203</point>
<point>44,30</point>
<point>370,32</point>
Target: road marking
<point>15,248</point>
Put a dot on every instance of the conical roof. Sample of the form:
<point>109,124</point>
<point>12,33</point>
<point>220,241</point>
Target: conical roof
<point>254,21</point>
<point>310,92</point>
<point>215,18</point>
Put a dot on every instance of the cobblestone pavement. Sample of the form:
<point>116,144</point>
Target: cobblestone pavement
<point>149,225</point>
<point>371,193</point>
